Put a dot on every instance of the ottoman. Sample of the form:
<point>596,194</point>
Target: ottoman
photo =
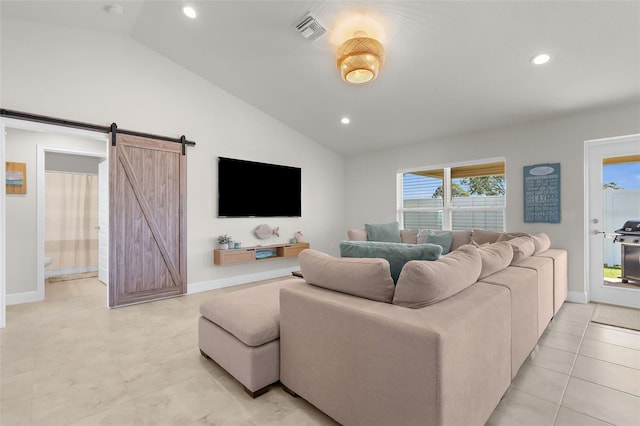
<point>240,331</point>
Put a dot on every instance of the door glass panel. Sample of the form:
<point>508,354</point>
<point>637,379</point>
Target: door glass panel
<point>621,202</point>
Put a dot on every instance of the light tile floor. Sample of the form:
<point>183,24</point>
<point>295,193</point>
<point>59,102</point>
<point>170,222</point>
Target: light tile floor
<point>580,373</point>
<point>71,361</point>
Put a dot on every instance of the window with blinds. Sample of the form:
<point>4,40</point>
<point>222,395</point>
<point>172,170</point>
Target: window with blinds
<point>456,197</point>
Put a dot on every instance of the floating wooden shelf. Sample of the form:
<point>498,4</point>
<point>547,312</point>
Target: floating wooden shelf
<point>253,254</point>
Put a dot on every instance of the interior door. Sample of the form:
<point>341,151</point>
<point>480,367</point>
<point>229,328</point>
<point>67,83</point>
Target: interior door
<point>147,223</point>
<point>596,152</point>
<point>103,221</point>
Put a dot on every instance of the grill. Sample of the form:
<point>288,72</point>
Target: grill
<point>629,239</point>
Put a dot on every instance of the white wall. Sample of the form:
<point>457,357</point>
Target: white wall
<point>371,179</point>
<point>98,78</point>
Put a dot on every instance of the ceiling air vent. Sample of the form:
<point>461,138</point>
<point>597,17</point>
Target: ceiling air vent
<point>310,28</point>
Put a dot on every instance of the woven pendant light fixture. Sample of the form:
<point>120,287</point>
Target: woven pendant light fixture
<point>360,58</point>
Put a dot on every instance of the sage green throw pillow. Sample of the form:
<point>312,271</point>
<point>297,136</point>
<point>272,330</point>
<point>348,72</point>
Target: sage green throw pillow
<point>397,254</point>
<point>442,238</point>
<point>388,232</point>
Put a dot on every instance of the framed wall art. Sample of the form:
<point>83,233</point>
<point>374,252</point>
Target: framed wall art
<point>16,178</point>
<point>542,193</point>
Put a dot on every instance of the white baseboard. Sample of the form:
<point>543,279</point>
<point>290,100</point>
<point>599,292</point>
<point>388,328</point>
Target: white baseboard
<point>239,279</point>
<point>577,297</point>
<point>24,297</point>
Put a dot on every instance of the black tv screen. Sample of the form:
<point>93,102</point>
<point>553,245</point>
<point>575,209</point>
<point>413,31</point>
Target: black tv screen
<point>253,189</point>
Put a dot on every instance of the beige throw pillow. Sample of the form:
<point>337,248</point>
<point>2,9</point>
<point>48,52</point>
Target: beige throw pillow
<point>506,236</point>
<point>523,247</point>
<point>409,236</point>
<point>460,238</point>
<point>495,257</point>
<point>481,236</point>
<point>363,277</point>
<point>424,283</point>
<point>541,241</point>
<point>357,234</point>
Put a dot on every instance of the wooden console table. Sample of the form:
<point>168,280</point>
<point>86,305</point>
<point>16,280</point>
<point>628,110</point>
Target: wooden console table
<point>248,254</point>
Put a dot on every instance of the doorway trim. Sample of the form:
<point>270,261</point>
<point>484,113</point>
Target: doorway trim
<point>13,123</point>
<point>605,294</point>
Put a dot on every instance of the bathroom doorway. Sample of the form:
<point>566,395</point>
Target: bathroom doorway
<point>71,225</point>
<point>22,239</point>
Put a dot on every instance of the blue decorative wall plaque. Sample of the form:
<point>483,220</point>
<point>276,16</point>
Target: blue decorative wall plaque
<point>542,193</point>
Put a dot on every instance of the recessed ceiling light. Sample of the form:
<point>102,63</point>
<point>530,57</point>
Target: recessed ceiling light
<point>189,12</point>
<point>345,120</point>
<point>540,58</point>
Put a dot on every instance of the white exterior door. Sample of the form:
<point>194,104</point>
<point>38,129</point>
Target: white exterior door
<point>595,152</point>
<point>103,221</point>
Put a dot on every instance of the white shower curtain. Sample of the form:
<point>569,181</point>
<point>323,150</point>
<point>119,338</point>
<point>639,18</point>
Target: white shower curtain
<point>71,221</point>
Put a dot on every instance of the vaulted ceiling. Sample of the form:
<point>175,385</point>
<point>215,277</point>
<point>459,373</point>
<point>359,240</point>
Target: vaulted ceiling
<point>451,67</point>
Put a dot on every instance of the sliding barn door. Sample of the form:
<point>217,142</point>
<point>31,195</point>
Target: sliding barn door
<point>147,218</point>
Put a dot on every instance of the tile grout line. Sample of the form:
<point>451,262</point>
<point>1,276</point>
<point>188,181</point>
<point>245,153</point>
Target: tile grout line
<point>611,362</point>
<point>575,358</point>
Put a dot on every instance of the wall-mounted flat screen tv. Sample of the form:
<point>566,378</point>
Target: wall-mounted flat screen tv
<point>253,189</point>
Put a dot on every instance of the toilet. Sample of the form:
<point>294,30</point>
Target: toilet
<point>47,262</point>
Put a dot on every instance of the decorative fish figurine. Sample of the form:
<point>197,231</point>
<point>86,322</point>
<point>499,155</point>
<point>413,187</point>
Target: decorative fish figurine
<point>264,231</point>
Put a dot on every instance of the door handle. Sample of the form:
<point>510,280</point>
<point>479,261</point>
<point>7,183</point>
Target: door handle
<point>596,232</point>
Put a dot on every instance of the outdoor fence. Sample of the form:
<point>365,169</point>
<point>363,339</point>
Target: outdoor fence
<point>465,218</point>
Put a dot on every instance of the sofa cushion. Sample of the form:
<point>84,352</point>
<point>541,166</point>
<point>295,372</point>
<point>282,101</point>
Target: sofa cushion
<point>482,236</point>
<point>397,254</point>
<point>523,247</point>
<point>495,257</point>
<point>441,238</point>
<point>506,236</point>
<point>409,236</point>
<point>388,232</point>
<point>460,238</point>
<point>541,241</point>
<point>357,234</point>
<point>425,283</point>
<point>363,277</point>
